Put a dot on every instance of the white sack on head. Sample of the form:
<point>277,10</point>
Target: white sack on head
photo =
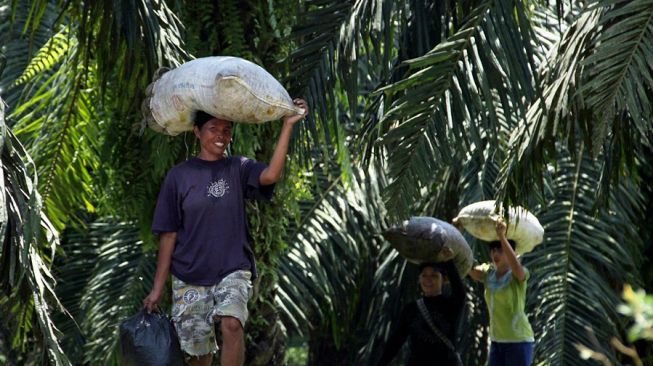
<point>421,239</point>
<point>229,88</point>
<point>479,219</point>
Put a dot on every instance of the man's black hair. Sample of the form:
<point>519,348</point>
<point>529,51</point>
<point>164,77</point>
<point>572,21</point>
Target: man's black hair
<point>497,244</point>
<point>202,117</point>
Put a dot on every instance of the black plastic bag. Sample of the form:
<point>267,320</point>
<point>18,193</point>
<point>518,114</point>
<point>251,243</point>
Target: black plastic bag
<point>149,340</point>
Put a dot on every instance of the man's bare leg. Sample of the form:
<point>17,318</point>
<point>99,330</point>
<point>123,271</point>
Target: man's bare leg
<point>233,342</point>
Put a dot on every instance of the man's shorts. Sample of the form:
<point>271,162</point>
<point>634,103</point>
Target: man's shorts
<point>196,309</point>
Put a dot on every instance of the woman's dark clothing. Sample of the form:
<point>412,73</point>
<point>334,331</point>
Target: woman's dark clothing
<point>426,348</point>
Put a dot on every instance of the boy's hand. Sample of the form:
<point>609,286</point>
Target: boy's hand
<point>501,228</point>
<point>291,120</point>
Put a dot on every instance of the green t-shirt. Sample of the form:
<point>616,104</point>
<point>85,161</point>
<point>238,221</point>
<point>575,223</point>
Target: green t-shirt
<point>506,298</point>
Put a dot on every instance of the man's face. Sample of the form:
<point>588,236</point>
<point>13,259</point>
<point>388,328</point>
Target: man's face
<point>214,136</point>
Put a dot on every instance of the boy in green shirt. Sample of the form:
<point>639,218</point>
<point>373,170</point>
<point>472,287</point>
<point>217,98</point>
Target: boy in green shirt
<point>505,295</point>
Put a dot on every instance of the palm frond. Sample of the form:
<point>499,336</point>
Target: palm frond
<point>73,268</point>
<point>62,109</point>
<point>314,73</point>
<point>533,140</point>
<point>549,25</point>
<point>28,243</point>
<point>578,270</point>
<point>445,102</point>
<point>119,275</point>
<point>394,285</point>
<point>56,124</point>
<point>46,58</point>
<point>19,46</point>
<point>122,42</point>
<point>331,258</point>
<point>618,74</point>
<point>232,27</point>
<point>122,278</point>
<point>596,89</point>
<point>345,49</point>
<point>132,38</point>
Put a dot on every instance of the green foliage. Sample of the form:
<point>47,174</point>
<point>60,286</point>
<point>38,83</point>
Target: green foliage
<point>478,137</point>
<point>297,354</point>
<point>28,240</point>
<point>19,45</point>
<point>638,306</point>
<point>232,16</point>
<point>325,71</point>
<point>326,277</point>
<point>618,72</point>
<point>596,89</point>
<point>58,113</point>
<point>46,58</point>
<point>593,255</point>
<point>200,23</point>
<point>61,115</point>
<point>104,274</point>
<point>459,114</point>
<point>57,124</point>
<point>446,100</point>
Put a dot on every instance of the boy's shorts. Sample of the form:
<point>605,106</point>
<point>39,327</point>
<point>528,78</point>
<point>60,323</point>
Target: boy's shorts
<point>196,309</point>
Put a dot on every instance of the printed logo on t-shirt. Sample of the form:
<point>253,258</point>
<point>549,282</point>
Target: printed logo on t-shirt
<point>217,189</point>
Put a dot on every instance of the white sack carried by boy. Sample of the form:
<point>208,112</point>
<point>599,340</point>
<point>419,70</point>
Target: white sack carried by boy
<point>421,239</point>
<point>480,218</point>
<point>229,88</point>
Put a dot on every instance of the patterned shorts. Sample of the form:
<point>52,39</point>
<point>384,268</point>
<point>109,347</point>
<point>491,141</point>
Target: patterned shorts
<point>196,309</point>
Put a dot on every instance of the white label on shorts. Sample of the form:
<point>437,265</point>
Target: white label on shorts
<point>191,296</point>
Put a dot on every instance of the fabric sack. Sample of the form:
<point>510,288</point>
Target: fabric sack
<point>480,218</point>
<point>149,340</point>
<point>229,88</point>
<point>421,239</point>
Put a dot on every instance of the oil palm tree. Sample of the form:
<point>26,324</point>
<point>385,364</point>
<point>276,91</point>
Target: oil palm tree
<point>29,240</point>
<point>465,118</point>
<point>420,107</point>
<point>76,74</point>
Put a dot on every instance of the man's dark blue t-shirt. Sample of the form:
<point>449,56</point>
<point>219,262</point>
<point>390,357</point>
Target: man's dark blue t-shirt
<point>204,203</point>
